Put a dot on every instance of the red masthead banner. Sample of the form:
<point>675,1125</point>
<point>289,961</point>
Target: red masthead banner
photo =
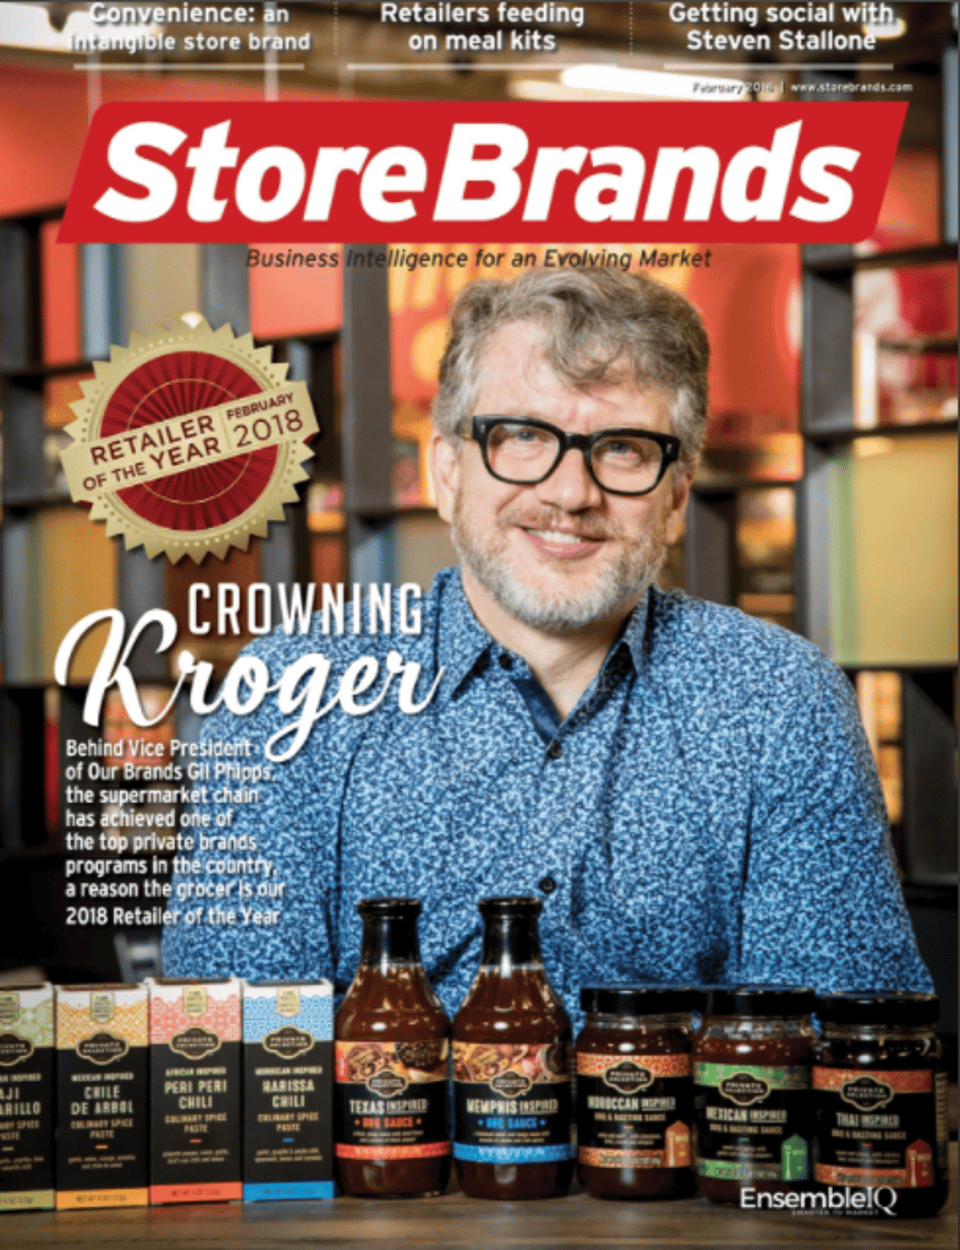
<point>330,171</point>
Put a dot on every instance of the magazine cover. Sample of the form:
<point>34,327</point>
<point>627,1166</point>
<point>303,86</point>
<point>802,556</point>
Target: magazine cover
<point>479,507</point>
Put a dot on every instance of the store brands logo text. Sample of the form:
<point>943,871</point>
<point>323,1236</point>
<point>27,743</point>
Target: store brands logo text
<point>207,173</point>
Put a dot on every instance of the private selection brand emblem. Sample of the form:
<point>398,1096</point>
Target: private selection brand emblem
<point>189,441</point>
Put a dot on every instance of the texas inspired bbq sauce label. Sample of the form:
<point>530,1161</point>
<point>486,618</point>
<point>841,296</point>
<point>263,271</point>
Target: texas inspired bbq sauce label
<point>391,1099</point>
<point>881,1127</point>
<point>753,1122</point>
<point>634,1110</point>
<point>512,1103</point>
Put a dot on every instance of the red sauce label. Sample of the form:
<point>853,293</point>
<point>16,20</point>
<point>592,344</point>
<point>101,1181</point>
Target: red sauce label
<point>391,1099</point>
<point>634,1110</point>
<point>880,1127</point>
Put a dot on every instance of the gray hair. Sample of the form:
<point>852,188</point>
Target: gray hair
<point>595,320</point>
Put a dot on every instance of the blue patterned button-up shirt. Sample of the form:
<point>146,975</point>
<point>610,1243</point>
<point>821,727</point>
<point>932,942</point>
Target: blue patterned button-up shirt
<point>708,812</point>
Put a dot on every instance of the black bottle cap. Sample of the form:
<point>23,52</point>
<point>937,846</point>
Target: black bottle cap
<point>386,908</point>
<point>521,906</point>
<point>640,1000</point>
<point>759,1000</point>
<point>890,1007</point>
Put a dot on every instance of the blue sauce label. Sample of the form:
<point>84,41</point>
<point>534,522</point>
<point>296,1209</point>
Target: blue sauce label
<point>512,1102</point>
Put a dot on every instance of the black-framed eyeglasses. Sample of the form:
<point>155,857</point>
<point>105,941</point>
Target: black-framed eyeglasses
<point>525,451</point>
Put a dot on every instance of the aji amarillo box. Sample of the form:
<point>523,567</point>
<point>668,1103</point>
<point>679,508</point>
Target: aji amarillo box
<point>288,1084</point>
<point>195,1092</point>
<point>102,1096</point>
<point>26,1098</point>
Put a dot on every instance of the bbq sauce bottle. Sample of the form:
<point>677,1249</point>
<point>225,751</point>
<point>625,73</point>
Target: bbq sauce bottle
<point>392,1049</point>
<point>512,1066</point>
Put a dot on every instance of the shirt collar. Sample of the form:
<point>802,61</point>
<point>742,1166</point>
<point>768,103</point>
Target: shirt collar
<point>464,647</point>
<point>634,636</point>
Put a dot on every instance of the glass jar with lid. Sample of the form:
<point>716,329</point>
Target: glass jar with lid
<point>881,1101</point>
<point>635,1091</point>
<point>751,1073</point>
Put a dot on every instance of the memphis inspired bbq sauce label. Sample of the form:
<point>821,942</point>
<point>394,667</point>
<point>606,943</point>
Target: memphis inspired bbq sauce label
<point>391,1099</point>
<point>753,1121</point>
<point>634,1111</point>
<point>881,1127</point>
<point>512,1102</point>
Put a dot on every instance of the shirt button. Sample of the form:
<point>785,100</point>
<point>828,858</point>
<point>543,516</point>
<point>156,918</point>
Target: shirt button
<point>547,885</point>
<point>554,750</point>
<point>506,662</point>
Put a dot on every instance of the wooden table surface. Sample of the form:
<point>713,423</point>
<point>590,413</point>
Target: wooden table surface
<point>454,1222</point>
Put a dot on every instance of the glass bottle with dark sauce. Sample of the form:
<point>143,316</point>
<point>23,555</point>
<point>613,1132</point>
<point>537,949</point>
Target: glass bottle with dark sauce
<point>881,1101</point>
<point>392,1049</point>
<point>635,1091</point>
<point>512,1078</point>
<point>751,1073</point>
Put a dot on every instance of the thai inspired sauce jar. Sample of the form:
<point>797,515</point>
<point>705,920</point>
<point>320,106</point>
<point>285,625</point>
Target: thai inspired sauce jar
<point>881,1101</point>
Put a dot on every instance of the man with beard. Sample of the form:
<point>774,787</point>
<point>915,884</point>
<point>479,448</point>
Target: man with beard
<point>688,790</point>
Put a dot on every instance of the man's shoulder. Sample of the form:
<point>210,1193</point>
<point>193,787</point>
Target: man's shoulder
<point>697,637</point>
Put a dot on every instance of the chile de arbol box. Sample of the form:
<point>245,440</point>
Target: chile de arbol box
<point>26,1098</point>
<point>288,1085</point>
<point>102,1095</point>
<point>195,1032</point>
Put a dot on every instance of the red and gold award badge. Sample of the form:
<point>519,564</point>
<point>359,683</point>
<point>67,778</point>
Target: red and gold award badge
<point>189,441</point>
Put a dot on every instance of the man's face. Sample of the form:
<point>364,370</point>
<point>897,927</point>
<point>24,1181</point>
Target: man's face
<point>562,554</point>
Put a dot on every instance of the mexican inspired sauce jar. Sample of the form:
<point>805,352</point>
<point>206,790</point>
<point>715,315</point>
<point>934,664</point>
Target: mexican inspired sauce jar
<point>881,1100</point>
<point>751,1073</point>
<point>392,1048</point>
<point>635,1091</point>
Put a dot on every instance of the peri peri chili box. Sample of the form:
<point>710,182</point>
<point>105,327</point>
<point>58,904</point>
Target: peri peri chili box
<point>195,1090</point>
<point>103,1111</point>
<point>26,1098</point>
<point>288,1090</point>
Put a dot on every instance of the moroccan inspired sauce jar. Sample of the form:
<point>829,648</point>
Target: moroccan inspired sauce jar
<point>751,1073</point>
<point>881,1101</point>
<point>635,1091</point>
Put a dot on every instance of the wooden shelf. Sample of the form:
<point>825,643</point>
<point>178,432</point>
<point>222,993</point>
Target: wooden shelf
<point>392,513</point>
<point>453,1221</point>
<point>730,486</point>
<point>896,666</point>
<point>37,503</point>
<point>40,369</point>
<point>847,434</point>
<point>933,344</point>
<point>833,259</point>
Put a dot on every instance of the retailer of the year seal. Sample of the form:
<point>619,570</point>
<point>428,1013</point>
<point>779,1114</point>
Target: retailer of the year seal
<point>188,441</point>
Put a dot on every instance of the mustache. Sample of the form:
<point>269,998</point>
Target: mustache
<point>593,528</point>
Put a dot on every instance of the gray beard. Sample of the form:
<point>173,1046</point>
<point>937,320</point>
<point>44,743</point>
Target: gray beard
<point>623,580</point>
